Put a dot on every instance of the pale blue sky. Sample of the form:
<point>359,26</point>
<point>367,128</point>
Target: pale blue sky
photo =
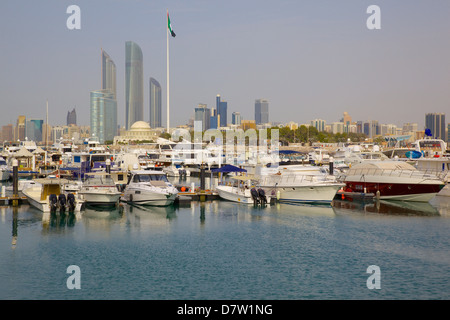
<point>310,58</point>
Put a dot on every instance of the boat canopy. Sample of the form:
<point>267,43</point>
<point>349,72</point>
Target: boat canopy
<point>228,168</point>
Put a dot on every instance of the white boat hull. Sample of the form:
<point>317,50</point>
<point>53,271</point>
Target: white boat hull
<point>33,195</point>
<point>100,198</point>
<point>237,195</point>
<point>313,194</point>
<point>148,197</point>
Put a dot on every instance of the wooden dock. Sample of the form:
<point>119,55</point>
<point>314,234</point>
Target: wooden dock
<point>9,201</point>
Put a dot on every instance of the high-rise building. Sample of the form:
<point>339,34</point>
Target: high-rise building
<point>236,118</point>
<point>213,123</point>
<point>19,133</point>
<point>436,123</point>
<point>203,114</point>
<point>134,84</point>
<point>155,103</point>
<point>108,74</point>
<point>103,111</point>
<point>103,115</point>
<point>34,129</point>
<point>261,111</point>
<point>319,124</point>
<point>221,107</point>
<point>7,133</point>
<point>72,117</point>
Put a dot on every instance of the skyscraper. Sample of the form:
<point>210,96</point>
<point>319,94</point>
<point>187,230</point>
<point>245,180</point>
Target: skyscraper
<point>104,104</point>
<point>261,111</point>
<point>203,114</point>
<point>221,107</point>
<point>134,84</point>
<point>20,128</point>
<point>236,118</point>
<point>108,74</point>
<point>155,103</point>
<point>103,115</point>
<point>34,129</point>
<point>436,123</point>
<point>72,117</point>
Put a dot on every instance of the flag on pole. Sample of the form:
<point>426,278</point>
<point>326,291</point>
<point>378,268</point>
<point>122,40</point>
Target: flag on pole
<point>170,26</point>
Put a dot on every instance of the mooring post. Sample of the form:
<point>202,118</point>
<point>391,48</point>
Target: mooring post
<point>108,165</point>
<point>15,182</point>
<point>202,183</point>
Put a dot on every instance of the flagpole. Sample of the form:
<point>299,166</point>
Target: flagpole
<point>167,59</point>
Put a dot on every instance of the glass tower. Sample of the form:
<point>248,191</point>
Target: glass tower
<point>261,111</point>
<point>108,73</point>
<point>221,107</point>
<point>436,123</point>
<point>134,84</point>
<point>203,114</point>
<point>103,115</point>
<point>155,103</point>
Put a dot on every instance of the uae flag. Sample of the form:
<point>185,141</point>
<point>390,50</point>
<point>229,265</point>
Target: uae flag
<point>170,26</point>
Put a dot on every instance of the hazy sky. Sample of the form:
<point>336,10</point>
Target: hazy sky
<point>310,58</point>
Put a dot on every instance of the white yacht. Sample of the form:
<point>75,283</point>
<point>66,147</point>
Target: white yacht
<point>99,189</point>
<point>300,184</point>
<point>149,187</point>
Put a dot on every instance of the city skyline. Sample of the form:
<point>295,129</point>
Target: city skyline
<point>328,62</point>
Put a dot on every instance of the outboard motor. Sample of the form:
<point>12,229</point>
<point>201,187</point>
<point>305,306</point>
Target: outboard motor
<point>255,195</point>
<point>62,202</point>
<point>53,200</point>
<point>262,196</point>
<point>71,201</point>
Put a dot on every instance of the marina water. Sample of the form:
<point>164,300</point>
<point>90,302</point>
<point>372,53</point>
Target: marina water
<point>225,250</point>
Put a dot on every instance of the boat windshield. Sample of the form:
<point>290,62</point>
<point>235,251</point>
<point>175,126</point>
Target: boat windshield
<point>100,180</point>
<point>150,177</point>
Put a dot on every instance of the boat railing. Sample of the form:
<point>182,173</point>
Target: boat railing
<point>291,179</point>
<point>420,174</point>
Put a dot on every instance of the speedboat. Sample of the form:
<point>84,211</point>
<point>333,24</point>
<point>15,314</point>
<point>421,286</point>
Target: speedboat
<point>394,180</point>
<point>149,187</point>
<point>99,189</point>
<point>300,184</point>
<point>47,195</point>
<point>243,190</point>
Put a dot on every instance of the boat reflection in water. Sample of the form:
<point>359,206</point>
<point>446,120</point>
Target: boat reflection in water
<point>102,212</point>
<point>140,215</point>
<point>389,207</point>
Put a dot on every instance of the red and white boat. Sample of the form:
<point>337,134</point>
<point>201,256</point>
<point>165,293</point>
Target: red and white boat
<point>394,180</point>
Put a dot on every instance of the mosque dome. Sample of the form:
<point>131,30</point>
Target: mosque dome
<point>140,126</point>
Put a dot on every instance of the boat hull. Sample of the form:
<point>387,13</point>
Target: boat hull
<point>235,195</point>
<point>33,197</point>
<point>146,197</point>
<point>100,198</point>
<point>421,192</point>
<point>312,194</point>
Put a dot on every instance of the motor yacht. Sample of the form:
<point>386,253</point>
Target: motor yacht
<point>149,187</point>
<point>99,189</point>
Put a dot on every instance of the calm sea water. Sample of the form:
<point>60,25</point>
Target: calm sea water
<point>224,250</point>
